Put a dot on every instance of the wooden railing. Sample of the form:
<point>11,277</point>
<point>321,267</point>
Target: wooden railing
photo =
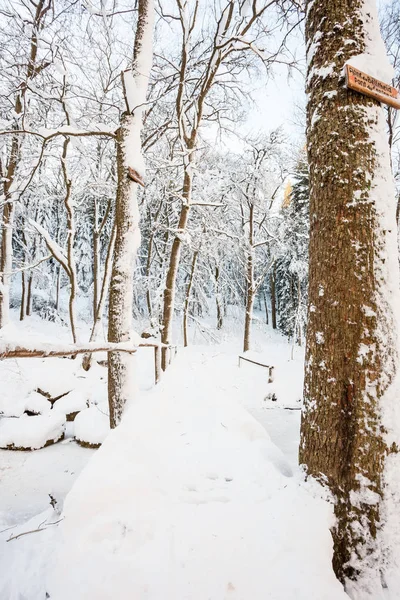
<point>254,362</point>
<point>54,350</point>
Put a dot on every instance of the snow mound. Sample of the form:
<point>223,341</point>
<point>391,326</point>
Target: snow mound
<point>36,403</point>
<point>31,433</point>
<point>92,426</point>
<point>189,498</point>
<point>72,403</point>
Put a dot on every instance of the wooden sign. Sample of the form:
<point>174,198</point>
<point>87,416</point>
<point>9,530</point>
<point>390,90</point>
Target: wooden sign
<point>365,84</point>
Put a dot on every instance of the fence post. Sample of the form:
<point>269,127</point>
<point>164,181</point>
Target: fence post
<point>157,363</point>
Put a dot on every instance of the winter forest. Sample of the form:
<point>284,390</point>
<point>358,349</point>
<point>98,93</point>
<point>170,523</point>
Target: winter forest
<point>199,300</point>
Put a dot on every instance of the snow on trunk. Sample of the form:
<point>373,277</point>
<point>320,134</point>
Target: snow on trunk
<point>349,431</point>
<point>130,166</point>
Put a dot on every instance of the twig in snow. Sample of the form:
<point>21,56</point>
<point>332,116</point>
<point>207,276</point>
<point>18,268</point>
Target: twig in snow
<point>15,537</point>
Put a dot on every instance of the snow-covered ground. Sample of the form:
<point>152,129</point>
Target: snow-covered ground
<point>197,495</point>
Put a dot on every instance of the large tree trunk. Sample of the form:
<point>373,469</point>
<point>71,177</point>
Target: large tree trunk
<point>351,356</point>
<point>121,366</point>
<point>129,165</point>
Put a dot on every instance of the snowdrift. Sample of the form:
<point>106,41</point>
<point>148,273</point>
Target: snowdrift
<point>189,499</point>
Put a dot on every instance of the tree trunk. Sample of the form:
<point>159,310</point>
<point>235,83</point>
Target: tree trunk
<point>250,286</point>
<point>351,356</point>
<point>170,283</point>
<point>96,263</point>
<point>218,300</point>
<point>266,307</point>
<point>70,241</point>
<point>97,320</point>
<point>6,262</point>
<point>187,299</point>
<point>121,368</point>
<point>249,303</point>
<point>248,319</point>
<point>273,297</point>
<point>29,295</point>
<point>22,311</point>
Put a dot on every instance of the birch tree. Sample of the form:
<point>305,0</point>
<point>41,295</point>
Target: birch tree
<point>130,168</point>
<point>348,436</point>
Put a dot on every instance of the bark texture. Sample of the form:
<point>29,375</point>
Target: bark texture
<point>351,335</point>
<point>121,288</point>
<point>121,377</point>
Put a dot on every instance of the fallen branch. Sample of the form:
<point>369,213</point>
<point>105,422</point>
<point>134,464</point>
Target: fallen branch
<point>69,350</point>
<point>15,537</point>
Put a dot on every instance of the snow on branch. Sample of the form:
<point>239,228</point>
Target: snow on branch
<point>52,245</point>
<point>48,134</point>
<point>44,350</point>
<point>10,350</point>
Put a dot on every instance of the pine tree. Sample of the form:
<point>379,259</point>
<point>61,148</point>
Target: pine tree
<point>292,264</point>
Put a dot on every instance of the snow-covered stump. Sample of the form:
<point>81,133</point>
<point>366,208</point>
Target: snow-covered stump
<point>31,433</point>
<point>92,426</point>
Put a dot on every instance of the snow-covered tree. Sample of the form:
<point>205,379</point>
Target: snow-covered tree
<point>349,435</point>
<point>291,266</point>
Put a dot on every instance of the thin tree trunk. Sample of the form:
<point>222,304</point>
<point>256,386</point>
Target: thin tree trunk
<point>58,285</point>
<point>170,283</point>
<point>96,261</point>
<point>6,262</point>
<point>250,286</point>
<point>249,303</point>
<point>87,359</point>
<point>218,300</point>
<point>23,297</point>
<point>187,299</point>
<point>148,293</point>
<point>121,376</point>
<point>266,307</point>
<point>29,295</point>
<point>70,241</point>
<point>273,297</point>
<point>352,332</point>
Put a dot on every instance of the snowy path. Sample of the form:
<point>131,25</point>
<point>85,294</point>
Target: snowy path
<point>191,498</point>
